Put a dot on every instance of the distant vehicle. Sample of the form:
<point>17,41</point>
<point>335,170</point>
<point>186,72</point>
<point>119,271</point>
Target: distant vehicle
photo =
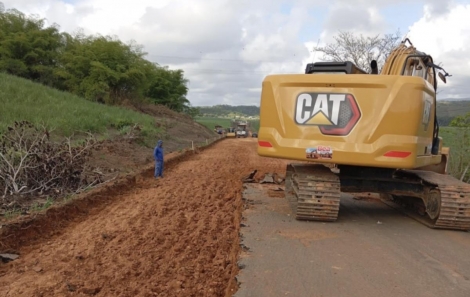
<point>241,133</point>
<point>230,132</point>
<point>241,127</point>
<point>254,134</point>
<point>219,129</point>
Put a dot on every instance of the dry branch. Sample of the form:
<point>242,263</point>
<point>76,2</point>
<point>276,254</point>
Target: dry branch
<point>30,163</point>
<point>361,50</point>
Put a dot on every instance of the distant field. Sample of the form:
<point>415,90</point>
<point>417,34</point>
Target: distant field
<point>22,99</point>
<point>211,122</point>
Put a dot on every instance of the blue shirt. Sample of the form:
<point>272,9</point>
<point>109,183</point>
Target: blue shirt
<point>158,153</point>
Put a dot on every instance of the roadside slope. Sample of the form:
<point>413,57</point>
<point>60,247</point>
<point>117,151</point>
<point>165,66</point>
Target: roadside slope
<point>122,149</point>
<point>67,114</point>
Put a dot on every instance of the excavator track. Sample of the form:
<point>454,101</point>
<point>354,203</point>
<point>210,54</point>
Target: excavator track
<point>313,192</point>
<point>451,197</point>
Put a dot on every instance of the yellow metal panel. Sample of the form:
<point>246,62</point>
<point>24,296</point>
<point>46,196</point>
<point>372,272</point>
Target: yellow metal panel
<point>395,114</point>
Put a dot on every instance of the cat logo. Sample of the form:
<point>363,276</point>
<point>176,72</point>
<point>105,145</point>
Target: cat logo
<point>334,114</point>
<point>426,114</point>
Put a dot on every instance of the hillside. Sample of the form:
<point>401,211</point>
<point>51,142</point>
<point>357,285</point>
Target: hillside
<point>65,113</point>
<point>120,149</point>
<point>68,114</point>
<point>449,109</point>
<point>453,99</point>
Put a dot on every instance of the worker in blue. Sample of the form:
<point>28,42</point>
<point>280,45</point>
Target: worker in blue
<point>158,155</point>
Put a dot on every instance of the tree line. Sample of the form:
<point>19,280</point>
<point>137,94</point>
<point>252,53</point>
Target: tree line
<point>224,109</point>
<point>99,68</point>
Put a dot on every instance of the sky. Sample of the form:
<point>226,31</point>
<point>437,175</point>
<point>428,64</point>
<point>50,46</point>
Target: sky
<point>226,48</point>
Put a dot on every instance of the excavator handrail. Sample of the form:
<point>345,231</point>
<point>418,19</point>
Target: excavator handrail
<point>407,39</point>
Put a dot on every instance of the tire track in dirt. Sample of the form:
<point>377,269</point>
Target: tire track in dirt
<point>173,237</point>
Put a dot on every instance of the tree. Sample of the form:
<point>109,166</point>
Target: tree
<point>99,68</point>
<point>169,88</point>
<point>192,111</point>
<point>102,69</point>
<point>361,50</point>
<point>27,49</point>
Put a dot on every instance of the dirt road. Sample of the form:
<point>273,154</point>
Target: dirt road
<point>372,250</point>
<point>174,237</point>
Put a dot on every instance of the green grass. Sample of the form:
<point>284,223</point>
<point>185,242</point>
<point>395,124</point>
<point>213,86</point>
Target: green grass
<point>453,137</point>
<point>22,99</point>
<point>211,122</point>
<point>459,142</point>
<point>448,135</point>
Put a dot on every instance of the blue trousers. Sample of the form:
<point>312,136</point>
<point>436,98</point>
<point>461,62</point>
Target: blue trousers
<point>158,168</point>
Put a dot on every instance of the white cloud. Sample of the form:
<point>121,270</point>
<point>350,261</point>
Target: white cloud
<point>226,48</point>
<point>447,39</point>
<point>437,7</point>
<point>362,18</point>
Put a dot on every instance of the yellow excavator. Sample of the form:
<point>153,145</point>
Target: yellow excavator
<point>355,132</point>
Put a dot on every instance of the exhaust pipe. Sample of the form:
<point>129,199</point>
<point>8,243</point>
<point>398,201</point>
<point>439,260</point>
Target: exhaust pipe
<point>373,67</point>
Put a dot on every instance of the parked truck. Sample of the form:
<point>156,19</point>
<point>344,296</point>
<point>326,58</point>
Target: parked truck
<point>241,128</point>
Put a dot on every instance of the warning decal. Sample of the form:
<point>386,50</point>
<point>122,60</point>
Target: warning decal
<point>320,152</point>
